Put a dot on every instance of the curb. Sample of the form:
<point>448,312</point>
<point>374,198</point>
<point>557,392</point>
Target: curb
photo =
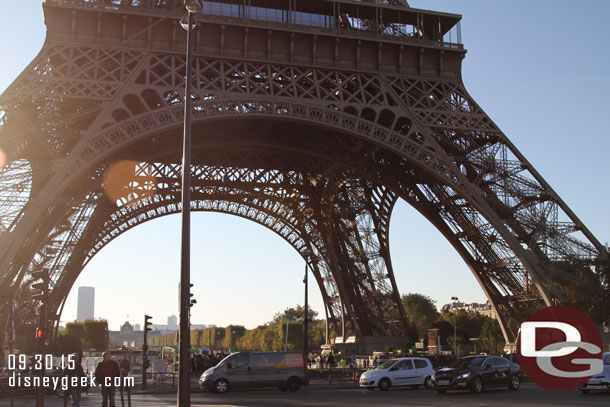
<point>311,386</point>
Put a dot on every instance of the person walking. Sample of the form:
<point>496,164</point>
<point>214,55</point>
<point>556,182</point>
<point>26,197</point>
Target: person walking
<point>75,373</point>
<point>125,366</point>
<point>105,372</point>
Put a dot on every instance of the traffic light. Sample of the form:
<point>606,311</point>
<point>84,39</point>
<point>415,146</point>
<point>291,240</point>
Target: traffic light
<point>147,323</point>
<point>39,333</point>
<point>192,301</point>
<point>145,363</point>
<point>43,285</point>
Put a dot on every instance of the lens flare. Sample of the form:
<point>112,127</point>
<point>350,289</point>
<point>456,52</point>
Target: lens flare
<point>2,159</point>
<point>129,183</point>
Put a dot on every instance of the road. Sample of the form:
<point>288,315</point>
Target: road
<point>529,395</point>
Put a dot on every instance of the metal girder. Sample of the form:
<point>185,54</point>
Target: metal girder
<point>313,142</point>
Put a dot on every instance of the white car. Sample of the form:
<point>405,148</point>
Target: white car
<point>410,371</point>
<point>599,381</point>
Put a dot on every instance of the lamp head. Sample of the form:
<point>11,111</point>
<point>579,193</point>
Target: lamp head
<point>193,6</point>
<point>184,22</point>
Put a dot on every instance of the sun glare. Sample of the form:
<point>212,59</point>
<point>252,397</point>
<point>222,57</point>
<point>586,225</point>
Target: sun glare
<point>2,159</point>
<point>128,182</point>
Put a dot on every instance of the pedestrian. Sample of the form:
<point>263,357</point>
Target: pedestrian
<point>105,372</point>
<point>330,361</point>
<point>199,364</point>
<point>193,366</point>
<point>125,366</point>
<point>74,373</point>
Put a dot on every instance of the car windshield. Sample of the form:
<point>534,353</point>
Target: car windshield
<point>465,363</point>
<point>226,360</point>
<point>387,364</point>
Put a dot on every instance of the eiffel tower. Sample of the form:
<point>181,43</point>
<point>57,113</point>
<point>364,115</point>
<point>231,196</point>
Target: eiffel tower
<point>310,118</point>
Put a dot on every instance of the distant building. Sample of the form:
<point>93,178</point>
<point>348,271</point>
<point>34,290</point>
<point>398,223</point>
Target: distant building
<point>126,337</point>
<point>485,309</point>
<point>172,322</point>
<point>86,301</point>
<point>199,326</point>
<point>126,328</point>
<point>131,336</point>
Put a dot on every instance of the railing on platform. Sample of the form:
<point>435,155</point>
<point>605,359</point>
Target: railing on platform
<point>265,18</point>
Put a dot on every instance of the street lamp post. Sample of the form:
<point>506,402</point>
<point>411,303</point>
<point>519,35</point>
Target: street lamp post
<point>184,396</point>
<point>286,347</point>
<point>454,299</point>
<point>307,256</point>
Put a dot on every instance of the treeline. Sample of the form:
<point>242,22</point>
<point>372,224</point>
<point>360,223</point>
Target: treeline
<point>423,315</point>
<point>267,337</point>
<point>89,335</point>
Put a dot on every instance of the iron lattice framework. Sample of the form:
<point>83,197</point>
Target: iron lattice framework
<point>309,119</point>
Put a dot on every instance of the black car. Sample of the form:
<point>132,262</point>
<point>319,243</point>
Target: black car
<point>475,373</point>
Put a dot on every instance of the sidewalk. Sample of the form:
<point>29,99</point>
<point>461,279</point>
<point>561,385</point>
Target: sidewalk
<point>94,399</point>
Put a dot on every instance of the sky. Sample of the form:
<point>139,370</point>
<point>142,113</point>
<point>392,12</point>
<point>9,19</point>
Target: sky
<point>539,69</point>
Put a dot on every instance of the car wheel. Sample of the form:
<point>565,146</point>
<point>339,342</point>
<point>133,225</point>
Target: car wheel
<point>514,382</point>
<point>428,383</point>
<point>477,385</point>
<point>584,391</point>
<point>441,391</point>
<point>221,386</point>
<point>293,384</point>
<point>384,384</point>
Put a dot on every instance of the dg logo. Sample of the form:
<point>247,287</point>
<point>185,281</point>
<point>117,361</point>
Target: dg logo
<point>559,348</point>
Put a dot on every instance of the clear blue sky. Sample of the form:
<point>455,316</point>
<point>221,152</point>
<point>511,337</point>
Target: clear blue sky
<point>540,69</point>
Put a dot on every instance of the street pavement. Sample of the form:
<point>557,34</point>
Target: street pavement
<point>529,395</point>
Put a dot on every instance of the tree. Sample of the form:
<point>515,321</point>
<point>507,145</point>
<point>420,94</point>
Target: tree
<point>67,344</point>
<point>293,314</point>
<point>96,334</point>
<point>77,330</point>
<point>491,338</point>
<point>196,337</point>
<point>421,311</point>
<point>232,334</point>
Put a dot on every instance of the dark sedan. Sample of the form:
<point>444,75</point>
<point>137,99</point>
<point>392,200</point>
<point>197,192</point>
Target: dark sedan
<point>475,373</point>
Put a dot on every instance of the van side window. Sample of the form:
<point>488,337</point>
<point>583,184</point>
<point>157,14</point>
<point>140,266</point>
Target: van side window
<point>420,364</point>
<point>241,360</point>
<point>262,360</point>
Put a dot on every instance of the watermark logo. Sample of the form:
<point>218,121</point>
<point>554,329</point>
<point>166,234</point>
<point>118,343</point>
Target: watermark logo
<point>560,348</point>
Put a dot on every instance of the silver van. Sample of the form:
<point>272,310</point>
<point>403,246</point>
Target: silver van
<point>256,369</point>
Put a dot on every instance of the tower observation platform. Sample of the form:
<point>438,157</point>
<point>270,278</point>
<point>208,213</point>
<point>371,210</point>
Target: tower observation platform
<point>380,35</point>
